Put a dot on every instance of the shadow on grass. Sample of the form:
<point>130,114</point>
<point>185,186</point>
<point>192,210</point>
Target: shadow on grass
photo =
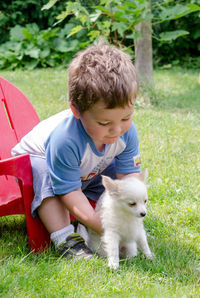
<point>174,258</point>
<point>14,240</point>
<point>13,236</point>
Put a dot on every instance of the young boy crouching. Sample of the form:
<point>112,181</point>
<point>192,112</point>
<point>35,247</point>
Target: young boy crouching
<point>70,150</point>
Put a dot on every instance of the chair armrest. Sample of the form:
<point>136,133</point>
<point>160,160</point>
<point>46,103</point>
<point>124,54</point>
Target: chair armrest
<point>18,166</point>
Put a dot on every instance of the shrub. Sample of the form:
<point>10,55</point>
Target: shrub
<point>29,47</point>
<point>20,12</point>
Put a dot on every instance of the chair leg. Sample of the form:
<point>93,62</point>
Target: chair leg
<point>39,238</point>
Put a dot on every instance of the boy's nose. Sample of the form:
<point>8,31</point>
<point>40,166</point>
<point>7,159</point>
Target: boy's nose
<point>116,130</point>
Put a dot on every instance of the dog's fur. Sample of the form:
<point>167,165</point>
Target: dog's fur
<point>122,207</point>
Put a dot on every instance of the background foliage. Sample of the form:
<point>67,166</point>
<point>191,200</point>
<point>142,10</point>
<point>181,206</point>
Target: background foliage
<point>185,50</point>
<point>29,39</point>
<point>19,12</point>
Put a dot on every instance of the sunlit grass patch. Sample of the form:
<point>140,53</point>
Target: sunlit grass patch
<point>169,133</point>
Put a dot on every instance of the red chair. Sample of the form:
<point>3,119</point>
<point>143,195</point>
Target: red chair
<point>17,118</point>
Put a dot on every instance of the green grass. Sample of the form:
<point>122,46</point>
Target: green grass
<point>169,135</point>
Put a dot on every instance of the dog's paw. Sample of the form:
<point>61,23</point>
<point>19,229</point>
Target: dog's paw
<point>132,254</point>
<point>150,256</point>
<point>113,264</point>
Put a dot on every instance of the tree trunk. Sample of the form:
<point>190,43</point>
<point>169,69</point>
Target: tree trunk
<point>143,53</point>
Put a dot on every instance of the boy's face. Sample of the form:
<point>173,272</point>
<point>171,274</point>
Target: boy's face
<point>104,125</point>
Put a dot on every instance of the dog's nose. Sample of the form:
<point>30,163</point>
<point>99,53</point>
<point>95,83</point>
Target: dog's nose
<point>142,214</point>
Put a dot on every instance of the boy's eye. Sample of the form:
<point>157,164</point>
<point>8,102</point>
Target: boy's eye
<point>103,124</point>
<point>126,119</point>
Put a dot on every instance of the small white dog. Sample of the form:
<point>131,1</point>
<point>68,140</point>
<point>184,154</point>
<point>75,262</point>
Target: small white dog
<point>122,207</point>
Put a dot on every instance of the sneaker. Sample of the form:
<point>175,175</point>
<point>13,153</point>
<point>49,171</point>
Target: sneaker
<point>74,247</point>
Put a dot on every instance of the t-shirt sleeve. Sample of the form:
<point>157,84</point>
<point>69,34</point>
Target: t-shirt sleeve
<point>128,161</point>
<point>64,164</point>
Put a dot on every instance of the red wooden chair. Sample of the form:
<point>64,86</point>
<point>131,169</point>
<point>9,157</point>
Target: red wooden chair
<point>18,117</point>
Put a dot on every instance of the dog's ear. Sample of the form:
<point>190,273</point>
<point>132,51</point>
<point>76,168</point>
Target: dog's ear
<point>143,176</point>
<point>109,184</point>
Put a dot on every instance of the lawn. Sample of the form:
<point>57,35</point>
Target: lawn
<point>169,133</point>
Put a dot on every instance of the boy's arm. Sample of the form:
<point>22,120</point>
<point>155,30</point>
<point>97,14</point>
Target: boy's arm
<point>79,206</point>
<point>127,163</point>
<point>142,176</point>
<point>121,176</point>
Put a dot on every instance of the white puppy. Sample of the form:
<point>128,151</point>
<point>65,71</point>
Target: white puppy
<point>122,207</point>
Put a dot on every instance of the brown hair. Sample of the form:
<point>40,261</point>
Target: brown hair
<point>101,72</point>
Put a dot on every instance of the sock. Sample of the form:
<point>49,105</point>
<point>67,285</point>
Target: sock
<point>60,236</point>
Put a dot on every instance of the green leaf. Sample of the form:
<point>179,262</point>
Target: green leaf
<point>193,7</point>
<point>48,34</point>
<point>75,8</point>
<point>33,52</point>
<point>134,35</point>
<point>61,45</point>
<point>66,30</point>
<point>178,11</point>
<point>172,35</point>
<point>28,35</point>
<point>62,16</point>
<point>16,33</point>
<point>93,34</point>
<point>32,64</point>
<point>94,16</point>
<point>49,4</point>
<point>73,44</point>
<point>120,27</point>
<point>103,9</point>
<point>196,33</point>
<point>83,18</point>
<point>45,52</point>
<point>75,30</point>
<point>33,28</point>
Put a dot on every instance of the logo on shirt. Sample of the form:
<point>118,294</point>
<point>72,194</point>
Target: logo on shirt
<point>88,177</point>
<point>137,160</point>
<point>97,169</point>
<point>91,175</point>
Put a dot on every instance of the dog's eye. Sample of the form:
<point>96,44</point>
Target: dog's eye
<point>145,201</point>
<point>132,204</point>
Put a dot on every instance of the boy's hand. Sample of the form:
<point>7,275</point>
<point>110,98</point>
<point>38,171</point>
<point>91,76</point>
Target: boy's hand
<point>79,206</point>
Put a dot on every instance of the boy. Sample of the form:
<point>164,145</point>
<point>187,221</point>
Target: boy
<point>70,150</point>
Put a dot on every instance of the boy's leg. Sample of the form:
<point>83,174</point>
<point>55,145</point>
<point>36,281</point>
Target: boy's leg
<point>56,219</point>
<point>54,215</point>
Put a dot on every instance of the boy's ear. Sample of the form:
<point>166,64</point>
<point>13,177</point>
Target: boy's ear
<point>74,111</point>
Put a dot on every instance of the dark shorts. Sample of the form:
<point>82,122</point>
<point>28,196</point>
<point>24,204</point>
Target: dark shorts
<point>43,189</point>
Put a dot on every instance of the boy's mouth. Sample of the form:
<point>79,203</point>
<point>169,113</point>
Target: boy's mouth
<point>113,138</point>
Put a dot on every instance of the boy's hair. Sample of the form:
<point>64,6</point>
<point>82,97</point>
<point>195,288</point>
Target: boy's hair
<point>101,72</point>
